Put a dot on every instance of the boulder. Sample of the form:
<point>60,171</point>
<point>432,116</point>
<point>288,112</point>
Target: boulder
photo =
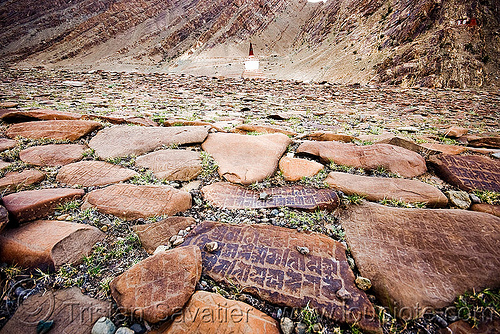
<point>379,188</point>
<point>47,244</point>
<point>52,155</point>
<point>294,169</point>
<point>14,181</point>
<point>157,287</point>
<point>246,159</point>
<point>93,173</point>
<point>58,130</point>
<point>393,158</point>
<point>172,165</point>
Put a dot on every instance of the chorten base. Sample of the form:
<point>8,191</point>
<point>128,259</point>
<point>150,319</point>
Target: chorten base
<point>253,74</point>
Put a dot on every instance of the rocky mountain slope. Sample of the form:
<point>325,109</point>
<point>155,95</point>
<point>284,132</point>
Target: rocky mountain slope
<point>408,43</point>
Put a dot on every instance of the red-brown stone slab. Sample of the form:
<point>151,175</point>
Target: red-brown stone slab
<point>246,159</point>
<point>4,164</point>
<point>379,188</point>
<point>487,208</point>
<point>328,136</point>
<point>47,244</point>
<point>245,128</point>
<point>493,142</point>
<point>294,169</point>
<point>8,104</point>
<point>468,172</point>
<point>130,202</point>
<point>71,310</point>
<point>53,154</point>
<point>93,173</point>
<point>455,132</point>
<point>4,217</point>
<point>227,316</point>
<point>58,130</point>
<point>462,327</point>
<point>442,148</point>
<point>153,235</point>
<point>393,158</point>
<point>264,260</point>
<point>15,181</point>
<point>123,140</point>
<point>15,116</point>
<point>7,144</point>
<point>122,120</point>
<point>160,285</point>
<point>182,122</point>
<point>172,165</point>
<point>33,204</point>
<point>231,196</point>
<point>423,258</point>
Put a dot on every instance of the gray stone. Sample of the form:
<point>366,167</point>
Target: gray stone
<point>459,199</point>
<point>301,328</point>
<point>124,330</point>
<point>286,325</point>
<point>103,326</point>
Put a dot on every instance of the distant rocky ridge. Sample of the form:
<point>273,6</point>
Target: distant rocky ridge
<point>431,43</point>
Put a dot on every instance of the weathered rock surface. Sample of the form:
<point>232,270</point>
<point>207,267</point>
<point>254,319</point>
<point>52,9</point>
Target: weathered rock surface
<point>160,285</point>
<point>15,116</point>
<point>14,181</point>
<point>122,140</point>
<point>4,164</point>
<point>393,158</point>
<point>231,196</point>
<point>469,172</point>
<point>462,327</point>
<point>264,260</point>
<point>93,173</point>
<point>226,316</point>
<point>33,204</point>
<point>460,199</point>
<point>442,148</point>
<point>329,136</point>
<point>153,235</point>
<point>493,142</point>
<point>294,169</point>
<point>59,130</point>
<point>455,132</point>
<point>7,144</point>
<point>47,244</point>
<point>487,208</point>
<point>379,188</point>
<point>72,312</point>
<point>52,155</point>
<point>4,217</point>
<point>129,201</point>
<point>245,128</point>
<point>172,165</point>
<point>423,257</point>
<point>246,159</point>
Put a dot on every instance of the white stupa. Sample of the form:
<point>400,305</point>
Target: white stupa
<point>252,66</point>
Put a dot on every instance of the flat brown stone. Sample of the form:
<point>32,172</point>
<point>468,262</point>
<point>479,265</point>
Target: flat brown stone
<point>15,116</point>
<point>93,173</point>
<point>227,316</point>
<point>442,148</point>
<point>493,142</point>
<point>71,311</point>
<point>423,257</point>
<point>231,196</point>
<point>122,120</point>
<point>52,155</point>
<point>123,140</point>
<point>160,285</point>
<point>462,327</point>
<point>294,169</point>
<point>487,208</point>
<point>155,234</point>
<point>181,122</point>
<point>7,144</point>
<point>379,188</point>
<point>4,164</point>
<point>329,136</point>
<point>58,130</point>
<point>15,181</point>
<point>468,172</point>
<point>8,104</point>
<point>405,143</point>
<point>264,260</point>
<point>455,132</point>
<point>47,244</point>
<point>4,217</point>
<point>33,204</point>
<point>393,158</point>
<point>245,128</point>
<point>246,159</point>
<point>130,202</point>
<point>172,165</point>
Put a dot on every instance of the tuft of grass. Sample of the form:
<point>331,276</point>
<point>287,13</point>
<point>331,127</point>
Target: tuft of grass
<point>122,161</point>
<point>69,206</point>
<point>317,180</point>
<point>355,199</point>
<point>477,307</point>
<point>489,197</point>
<point>308,316</point>
<point>402,204</point>
<point>209,165</point>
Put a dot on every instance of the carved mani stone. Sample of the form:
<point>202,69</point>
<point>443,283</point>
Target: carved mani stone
<point>130,202</point>
<point>47,244</point>
<point>228,316</point>
<point>52,155</point>
<point>264,260</point>
<point>393,158</point>
<point>33,204</point>
<point>59,130</point>
<point>421,258</point>
<point>172,165</point>
<point>93,173</point>
<point>14,181</point>
<point>72,312</point>
<point>231,196</point>
<point>123,140</point>
<point>160,285</point>
<point>469,172</point>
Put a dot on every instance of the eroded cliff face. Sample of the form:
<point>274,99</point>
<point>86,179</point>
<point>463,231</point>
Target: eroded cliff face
<point>408,42</point>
